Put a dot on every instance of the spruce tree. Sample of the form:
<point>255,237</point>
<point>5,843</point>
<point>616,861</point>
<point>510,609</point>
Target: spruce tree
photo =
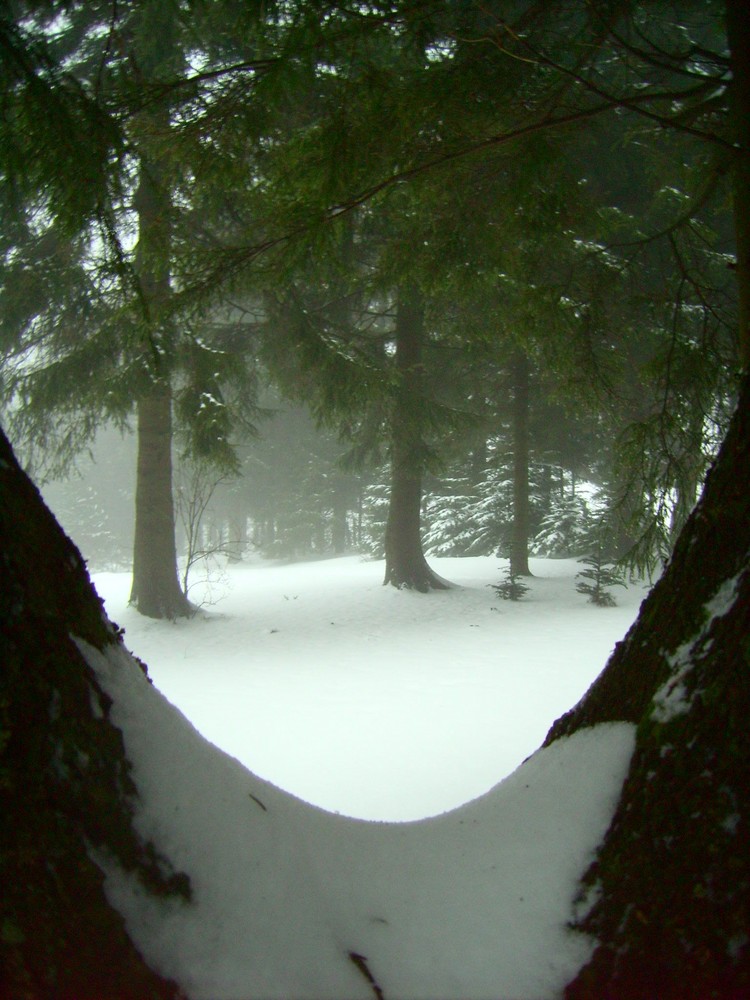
<point>600,573</point>
<point>511,588</point>
<point>103,315</point>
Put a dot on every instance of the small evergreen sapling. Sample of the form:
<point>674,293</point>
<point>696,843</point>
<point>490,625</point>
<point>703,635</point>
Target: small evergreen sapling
<point>600,572</point>
<point>511,589</point>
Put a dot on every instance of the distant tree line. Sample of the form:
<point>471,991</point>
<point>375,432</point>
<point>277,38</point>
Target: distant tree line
<point>477,247</point>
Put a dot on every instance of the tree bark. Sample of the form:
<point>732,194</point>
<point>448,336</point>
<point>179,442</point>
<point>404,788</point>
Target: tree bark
<point>65,782</point>
<point>339,524</point>
<point>156,591</point>
<point>405,564</point>
<point>673,874</point>
<point>738,36</point>
<point>519,539</point>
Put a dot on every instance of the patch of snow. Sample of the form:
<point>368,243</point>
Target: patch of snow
<point>731,823</point>
<point>672,699</point>
<point>473,903</point>
<point>723,600</point>
<point>372,702</point>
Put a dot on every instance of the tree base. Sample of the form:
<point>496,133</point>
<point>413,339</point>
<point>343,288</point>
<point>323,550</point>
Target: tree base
<point>419,578</point>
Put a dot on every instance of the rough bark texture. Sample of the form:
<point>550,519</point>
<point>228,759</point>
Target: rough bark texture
<point>673,875</point>
<point>156,590</point>
<point>405,564</point>
<point>64,779</point>
<point>519,539</point>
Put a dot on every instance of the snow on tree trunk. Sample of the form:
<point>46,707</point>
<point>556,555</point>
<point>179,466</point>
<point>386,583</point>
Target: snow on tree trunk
<point>65,784</point>
<point>670,888</point>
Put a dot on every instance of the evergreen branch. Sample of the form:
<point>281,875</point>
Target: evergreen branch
<point>232,261</point>
<point>107,50</point>
<point>671,61</point>
<point>634,102</point>
<point>245,66</point>
<point>684,218</point>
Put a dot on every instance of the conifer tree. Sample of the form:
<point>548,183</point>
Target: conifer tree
<point>511,588</point>
<point>104,315</point>
<point>155,53</point>
<point>600,573</point>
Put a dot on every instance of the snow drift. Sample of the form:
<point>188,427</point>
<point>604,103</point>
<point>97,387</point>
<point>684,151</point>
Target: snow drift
<point>292,902</point>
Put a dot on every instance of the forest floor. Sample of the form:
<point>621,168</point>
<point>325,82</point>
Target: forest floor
<point>371,702</point>
<point>381,705</point>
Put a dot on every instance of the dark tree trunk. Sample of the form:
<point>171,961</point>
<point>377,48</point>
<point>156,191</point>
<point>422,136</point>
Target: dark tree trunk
<point>519,539</point>
<point>478,462</point>
<point>65,782</point>
<point>237,540</point>
<point>405,564</point>
<point>738,34</point>
<point>156,591</point>
<point>673,873</point>
<point>339,525</point>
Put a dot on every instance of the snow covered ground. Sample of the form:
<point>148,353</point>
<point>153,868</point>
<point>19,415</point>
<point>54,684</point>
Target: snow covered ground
<point>371,702</point>
<point>376,703</point>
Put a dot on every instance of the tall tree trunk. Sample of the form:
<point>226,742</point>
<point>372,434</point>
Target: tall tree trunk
<point>66,786</point>
<point>237,540</point>
<point>405,564</point>
<point>156,591</point>
<point>339,512</point>
<point>519,539</point>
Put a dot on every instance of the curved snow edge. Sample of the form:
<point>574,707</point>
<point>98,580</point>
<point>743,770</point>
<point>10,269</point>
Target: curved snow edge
<point>474,902</point>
